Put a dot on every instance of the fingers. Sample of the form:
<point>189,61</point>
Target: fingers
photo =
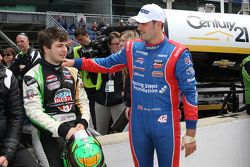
<point>68,63</point>
<point>189,148</point>
<point>3,161</point>
<point>71,132</point>
<point>127,112</point>
<point>80,127</point>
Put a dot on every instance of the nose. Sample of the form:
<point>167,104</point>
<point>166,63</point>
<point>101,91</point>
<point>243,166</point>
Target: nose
<point>65,49</point>
<point>139,27</point>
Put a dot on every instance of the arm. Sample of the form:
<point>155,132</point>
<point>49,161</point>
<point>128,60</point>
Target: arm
<point>185,75</point>
<point>82,102</point>
<point>15,66</point>
<point>15,117</point>
<point>33,104</point>
<point>113,63</point>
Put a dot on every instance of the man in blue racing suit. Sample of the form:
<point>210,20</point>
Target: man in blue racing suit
<point>160,71</point>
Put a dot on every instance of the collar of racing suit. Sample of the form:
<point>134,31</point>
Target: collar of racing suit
<point>51,66</point>
<point>156,45</point>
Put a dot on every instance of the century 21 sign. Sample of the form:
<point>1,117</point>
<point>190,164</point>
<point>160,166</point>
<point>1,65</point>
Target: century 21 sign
<point>198,23</point>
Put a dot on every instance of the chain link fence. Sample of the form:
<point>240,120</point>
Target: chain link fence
<point>13,21</point>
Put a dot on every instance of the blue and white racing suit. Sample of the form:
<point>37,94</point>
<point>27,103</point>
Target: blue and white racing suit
<point>159,75</point>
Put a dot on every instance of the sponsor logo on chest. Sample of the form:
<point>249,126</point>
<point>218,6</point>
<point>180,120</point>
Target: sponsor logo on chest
<point>61,96</point>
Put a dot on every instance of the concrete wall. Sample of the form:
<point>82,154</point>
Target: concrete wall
<point>221,142</point>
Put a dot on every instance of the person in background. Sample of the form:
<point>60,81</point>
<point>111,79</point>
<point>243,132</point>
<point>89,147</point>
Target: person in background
<point>8,56</point>
<point>24,60</point>
<point>110,97</point>
<point>161,72</point>
<point>94,27</point>
<point>1,56</point>
<point>54,97</point>
<point>91,81</point>
<point>126,36</point>
<point>27,58</point>
<point>246,81</point>
<point>62,21</point>
<point>101,24</point>
<point>81,23</point>
<point>12,153</point>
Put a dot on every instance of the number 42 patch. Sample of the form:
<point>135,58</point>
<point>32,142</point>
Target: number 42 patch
<point>163,119</point>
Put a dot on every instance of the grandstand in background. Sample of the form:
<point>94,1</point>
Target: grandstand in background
<point>31,16</point>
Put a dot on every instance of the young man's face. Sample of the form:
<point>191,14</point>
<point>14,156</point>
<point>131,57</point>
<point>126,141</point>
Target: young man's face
<point>57,53</point>
<point>23,43</point>
<point>148,31</point>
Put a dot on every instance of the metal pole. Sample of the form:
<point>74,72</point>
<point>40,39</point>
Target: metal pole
<point>111,12</point>
<point>245,7</point>
<point>230,6</point>
<point>222,6</point>
<point>168,3</point>
<point>9,41</point>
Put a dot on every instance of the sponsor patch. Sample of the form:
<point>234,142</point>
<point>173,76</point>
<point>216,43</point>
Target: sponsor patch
<point>54,85</point>
<point>157,74</point>
<point>190,71</point>
<point>30,94</point>
<point>139,107</point>
<point>162,56</point>
<point>163,89</point>
<point>187,60</point>
<point>139,60</point>
<point>69,81</point>
<point>139,68</point>
<point>142,53</point>
<point>67,76</point>
<point>138,74</point>
<point>51,78</point>
<point>63,95</point>
<point>157,65</point>
<point>189,80</point>
<point>28,80</point>
<point>144,11</point>
<point>162,119</point>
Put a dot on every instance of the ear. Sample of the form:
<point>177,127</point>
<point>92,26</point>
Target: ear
<point>45,49</point>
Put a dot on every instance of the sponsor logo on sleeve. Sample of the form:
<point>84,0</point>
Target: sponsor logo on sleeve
<point>30,94</point>
<point>187,60</point>
<point>190,71</point>
<point>28,80</point>
<point>189,80</point>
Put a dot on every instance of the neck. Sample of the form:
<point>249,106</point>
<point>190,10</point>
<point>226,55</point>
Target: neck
<point>50,61</point>
<point>156,39</point>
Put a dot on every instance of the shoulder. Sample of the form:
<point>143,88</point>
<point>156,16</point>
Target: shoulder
<point>8,78</point>
<point>72,70</point>
<point>34,71</point>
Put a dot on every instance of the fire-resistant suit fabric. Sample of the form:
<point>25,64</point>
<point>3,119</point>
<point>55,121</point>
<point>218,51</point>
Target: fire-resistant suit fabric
<point>159,75</point>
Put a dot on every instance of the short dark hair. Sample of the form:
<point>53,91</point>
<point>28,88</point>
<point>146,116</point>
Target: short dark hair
<point>80,31</point>
<point>48,36</point>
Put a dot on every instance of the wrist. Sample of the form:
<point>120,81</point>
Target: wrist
<point>188,139</point>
